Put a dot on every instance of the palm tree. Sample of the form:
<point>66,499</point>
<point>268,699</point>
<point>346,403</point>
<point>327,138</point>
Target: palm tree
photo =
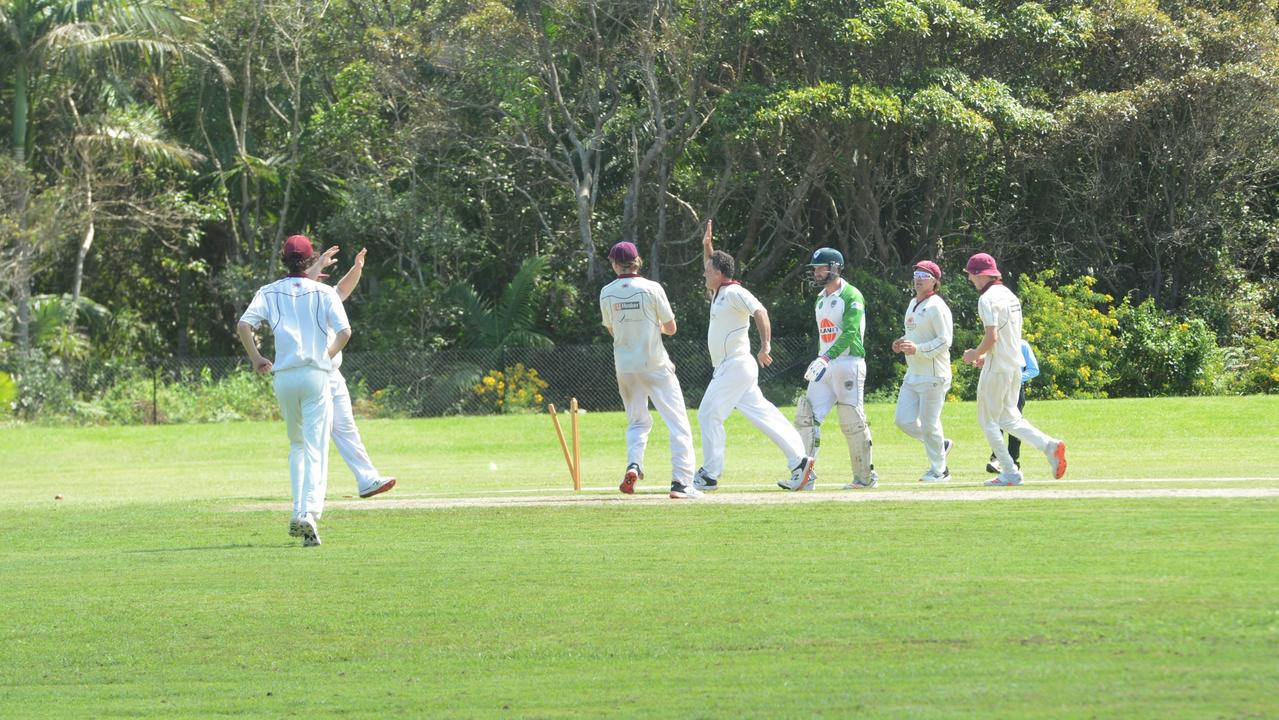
<point>133,133</point>
<point>46,45</point>
<point>509,323</point>
<point>40,39</point>
<point>488,329</point>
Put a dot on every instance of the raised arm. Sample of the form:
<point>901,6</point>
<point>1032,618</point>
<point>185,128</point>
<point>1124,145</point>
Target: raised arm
<point>347,284</point>
<point>707,246</point>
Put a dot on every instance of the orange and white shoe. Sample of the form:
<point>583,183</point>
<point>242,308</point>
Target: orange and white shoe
<point>377,487</point>
<point>1057,459</point>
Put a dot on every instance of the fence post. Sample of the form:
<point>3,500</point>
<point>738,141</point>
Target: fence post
<point>155,390</point>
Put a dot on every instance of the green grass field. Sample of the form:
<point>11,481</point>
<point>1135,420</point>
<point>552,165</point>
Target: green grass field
<point>164,584</point>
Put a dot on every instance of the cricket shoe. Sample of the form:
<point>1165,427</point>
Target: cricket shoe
<point>1057,459</point>
<point>933,477</point>
<point>1004,480</point>
<point>858,484</point>
<point>680,491</point>
<point>377,487</point>
<point>705,482</point>
<point>801,477</point>
<point>632,474</point>
<point>310,533</point>
<point>993,466</point>
<point>295,526</point>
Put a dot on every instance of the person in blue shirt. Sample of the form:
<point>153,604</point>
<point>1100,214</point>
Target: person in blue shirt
<point>1029,371</point>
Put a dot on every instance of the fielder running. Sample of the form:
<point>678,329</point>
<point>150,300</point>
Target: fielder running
<point>735,383</point>
<point>837,377</point>
<point>999,357</point>
<point>926,345</point>
<point>310,328</point>
<point>343,431</point>
<point>637,314</point>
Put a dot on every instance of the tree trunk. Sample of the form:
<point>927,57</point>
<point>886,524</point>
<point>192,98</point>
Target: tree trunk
<point>21,112</point>
<point>87,242</point>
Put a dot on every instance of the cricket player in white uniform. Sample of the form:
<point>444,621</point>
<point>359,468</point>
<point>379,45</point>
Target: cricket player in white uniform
<point>837,378</point>
<point>637,314</point>
<point>929,331</point>
<point>735,383</point>
<point>999,357</point>
<point>310,328</point>
<point>344,433</point>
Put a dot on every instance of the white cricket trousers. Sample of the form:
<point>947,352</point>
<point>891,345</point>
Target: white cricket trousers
<point>736,385</point>
<point>919,405</point>
<point>997,410</point>
<point>662,387</point>
<point>303,394</point>
<point>347,437</point>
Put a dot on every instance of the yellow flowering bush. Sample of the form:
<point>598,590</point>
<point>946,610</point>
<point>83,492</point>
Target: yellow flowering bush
<point>517,389</point>
<point>1072,329</point>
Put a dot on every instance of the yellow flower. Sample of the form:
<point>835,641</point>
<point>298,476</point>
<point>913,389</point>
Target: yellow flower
<point>488,380</point>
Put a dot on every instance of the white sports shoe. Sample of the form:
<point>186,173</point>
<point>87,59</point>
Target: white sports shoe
<point>864,485</point>
<point>310,533</point>
<point>932,477</point>
<point>295,526</point>
<point>680,491</point>
<point>705,482</point>
<point>801,477</point>
<point>1005,480</point>
<point>378,487</point>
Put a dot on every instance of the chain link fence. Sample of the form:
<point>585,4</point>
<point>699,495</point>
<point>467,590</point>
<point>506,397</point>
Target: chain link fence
<point>393,384</point>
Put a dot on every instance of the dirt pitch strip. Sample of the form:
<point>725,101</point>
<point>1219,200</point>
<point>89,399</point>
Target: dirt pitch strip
<point>597,497</point>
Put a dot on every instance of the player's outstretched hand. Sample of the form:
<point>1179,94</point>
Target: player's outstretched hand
<point>359,258</point>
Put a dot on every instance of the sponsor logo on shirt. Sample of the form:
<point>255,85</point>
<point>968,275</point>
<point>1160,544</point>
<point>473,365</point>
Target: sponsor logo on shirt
<point>630,305</point>
<point>827,330</point>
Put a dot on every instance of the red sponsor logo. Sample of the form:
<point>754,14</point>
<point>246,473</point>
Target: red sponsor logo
<point>827,330</point>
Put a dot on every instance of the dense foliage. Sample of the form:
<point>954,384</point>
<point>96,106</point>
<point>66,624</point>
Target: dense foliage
<point>159,154</point>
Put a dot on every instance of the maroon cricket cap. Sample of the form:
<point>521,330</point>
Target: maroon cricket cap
<point>929,267</point>
<point>982,264</point>
<point>623,252</point>
<point>297,246</point>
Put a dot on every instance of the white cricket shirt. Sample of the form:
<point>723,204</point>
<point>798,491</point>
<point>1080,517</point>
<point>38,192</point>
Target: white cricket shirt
<point>301,313</point>
<point>728,334</point>
<point>999,308</point>
<point>634,309</point>
<point>929,325</point>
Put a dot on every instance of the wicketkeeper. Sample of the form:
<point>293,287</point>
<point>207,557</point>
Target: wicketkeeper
<point>837,378</point>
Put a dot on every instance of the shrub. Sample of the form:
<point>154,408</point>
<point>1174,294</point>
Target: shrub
<point>1160,354</point>
<point>190,398</point>
<point>517,389</point>
<point>1258,371</point>
<point>1071,329</point>
<point>43,387</point>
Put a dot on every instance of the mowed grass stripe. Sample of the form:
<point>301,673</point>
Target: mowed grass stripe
<point>1172,437</point>
<point>1038,609</point>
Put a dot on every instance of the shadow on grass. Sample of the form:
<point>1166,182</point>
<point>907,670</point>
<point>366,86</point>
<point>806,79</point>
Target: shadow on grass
<point>248,546</point>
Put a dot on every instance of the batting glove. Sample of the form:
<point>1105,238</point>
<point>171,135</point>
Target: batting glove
<point>816,369</point>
